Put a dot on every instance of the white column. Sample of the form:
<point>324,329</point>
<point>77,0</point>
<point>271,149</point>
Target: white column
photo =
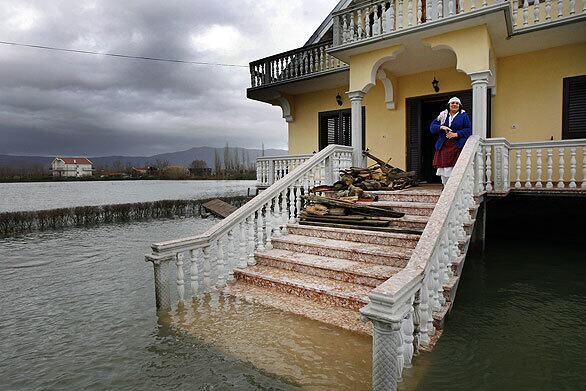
<point>479,103</point>
<point>356,100</point>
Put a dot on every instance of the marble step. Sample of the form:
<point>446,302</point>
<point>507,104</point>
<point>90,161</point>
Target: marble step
<point>409,208</point>
<point>426,195</point>
<point>319,289</point>
<point>345,318</point>
<point>338,269</point>
<point>355,235</point>
<point>354,251</point>
<point>410,221</point>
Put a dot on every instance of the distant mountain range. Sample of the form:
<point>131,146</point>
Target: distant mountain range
<point>183,158</point>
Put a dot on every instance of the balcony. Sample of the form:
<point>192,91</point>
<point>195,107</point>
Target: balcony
<point>374,20</point>
<point>295,65</point>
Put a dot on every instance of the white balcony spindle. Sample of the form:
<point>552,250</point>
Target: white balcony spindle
<point>528,168</point>
<point>525,12</point>
<point>283,212</point>
<point>391,16</point>
<point>548,10</point>
<point>221,281</point>
<point>408,330</point>
<point>193,273</point>
<point>488,168</point>
<point>573,7</point>
<point>180,277</point>
<point>560,8</point>
<point>400,15</point>
<point>539,170</point>
<point>410,13</point>
<point>549,183</point>
<point>242,246</point>
<point>572,167</point>
<point>536,11</point>
<point>450,7</point>
<point>561,168</point>
<point>367,30</point>
<point>376,26</point>
<point>251,244</point>
<point>518,169</point>
<point>515,7</point>
<point>359,24</point>
<point>230,255</point>
<point>260,230</point>
<point>419,12</point>
<point>439,9</point>
<point>207,270</point>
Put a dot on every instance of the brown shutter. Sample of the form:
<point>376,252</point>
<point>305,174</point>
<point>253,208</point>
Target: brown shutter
<point>574,110</point>
<point>413,136</point>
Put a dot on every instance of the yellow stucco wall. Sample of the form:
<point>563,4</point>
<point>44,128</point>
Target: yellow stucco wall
<point>529,95</point>
<point>529,92</point>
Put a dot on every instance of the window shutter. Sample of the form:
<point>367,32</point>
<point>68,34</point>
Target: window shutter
<point>413,136</point>
<point>574,110</point>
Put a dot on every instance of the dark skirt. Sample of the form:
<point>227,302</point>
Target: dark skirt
<point>447,155</point>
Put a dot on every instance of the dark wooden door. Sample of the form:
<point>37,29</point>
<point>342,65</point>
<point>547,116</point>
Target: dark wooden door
<point>421,111</point>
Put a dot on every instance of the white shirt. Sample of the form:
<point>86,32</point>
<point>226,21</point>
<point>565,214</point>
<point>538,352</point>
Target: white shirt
<point>450,119</point>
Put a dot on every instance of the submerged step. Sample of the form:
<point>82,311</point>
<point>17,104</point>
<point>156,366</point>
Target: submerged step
<point>335,268</point>
<point>345,318</point>
<point>323,290</point>
<point>362,252</point>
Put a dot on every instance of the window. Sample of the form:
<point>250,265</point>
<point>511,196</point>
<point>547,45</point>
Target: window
<point>574,108</point>
<point>335,127</point>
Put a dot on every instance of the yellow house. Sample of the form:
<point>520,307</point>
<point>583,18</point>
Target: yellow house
<point>376,73</point>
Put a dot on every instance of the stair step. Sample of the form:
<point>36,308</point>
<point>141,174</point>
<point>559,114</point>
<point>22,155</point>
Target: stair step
<point>320,289</point>
<point>356,235</point>
<point>345,318</point>
<point>362,252</point>
<point>409,208</point>
<point>427,195</point>
<point>338,269</point>
<point>410,221</point>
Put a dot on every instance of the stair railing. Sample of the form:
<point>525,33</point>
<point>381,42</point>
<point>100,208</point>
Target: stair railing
<point>233,241</point>
<point>403,308</point>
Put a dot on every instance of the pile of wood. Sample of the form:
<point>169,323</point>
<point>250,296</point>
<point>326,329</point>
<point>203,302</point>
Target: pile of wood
<point>338,213</point>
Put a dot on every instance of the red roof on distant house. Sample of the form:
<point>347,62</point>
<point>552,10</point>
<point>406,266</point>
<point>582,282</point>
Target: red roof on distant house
<point>75,160</point>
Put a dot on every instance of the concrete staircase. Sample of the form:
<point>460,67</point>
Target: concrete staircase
<point>326,273</point>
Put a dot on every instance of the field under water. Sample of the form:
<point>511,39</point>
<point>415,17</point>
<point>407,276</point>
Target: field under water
<point>78,313</point>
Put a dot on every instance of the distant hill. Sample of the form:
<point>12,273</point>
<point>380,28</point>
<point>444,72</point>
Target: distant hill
<point>183,158</point>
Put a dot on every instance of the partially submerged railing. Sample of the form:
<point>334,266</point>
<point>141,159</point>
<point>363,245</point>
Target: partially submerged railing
<point>307,61</point>
<point>402,309</point>
<point>232,242</point>
<point>371,19</point>
<point>270,169</point>
<point>533,166</point>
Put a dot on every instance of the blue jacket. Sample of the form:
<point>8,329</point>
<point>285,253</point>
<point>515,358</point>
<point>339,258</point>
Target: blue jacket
<point>460,124</point>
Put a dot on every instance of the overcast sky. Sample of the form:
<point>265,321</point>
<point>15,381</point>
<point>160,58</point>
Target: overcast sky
<point>62,103</point>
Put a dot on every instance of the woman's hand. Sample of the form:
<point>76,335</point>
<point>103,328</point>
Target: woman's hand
<point>445,129</point>
<point>451,134</point>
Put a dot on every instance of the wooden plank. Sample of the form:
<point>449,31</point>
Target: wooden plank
<point>219,208</point>
<point>365,228</point>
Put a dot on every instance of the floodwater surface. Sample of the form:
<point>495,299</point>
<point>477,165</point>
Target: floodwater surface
<point>78,314</point>
<point>53,195</point>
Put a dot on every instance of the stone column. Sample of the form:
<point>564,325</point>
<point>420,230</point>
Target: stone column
<point>356,98</point>
<point>162,284</point>
<point>386,350</point>
<point>479,102</point>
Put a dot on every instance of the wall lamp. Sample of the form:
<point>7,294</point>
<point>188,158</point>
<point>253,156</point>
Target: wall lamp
<point>435,84</point>
<point>339,100</point>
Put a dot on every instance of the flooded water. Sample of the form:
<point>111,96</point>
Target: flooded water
<point>78,313</point>
<point>52,195</point>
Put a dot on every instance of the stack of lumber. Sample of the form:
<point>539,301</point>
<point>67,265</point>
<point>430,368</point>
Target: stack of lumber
<point>339,213</point>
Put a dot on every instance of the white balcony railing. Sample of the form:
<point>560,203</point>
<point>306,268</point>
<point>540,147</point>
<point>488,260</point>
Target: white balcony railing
<point>301,63</point>
<point>538,165</point>
<point>371,19</point>
<point>233,241</point>
<point>270,169</point>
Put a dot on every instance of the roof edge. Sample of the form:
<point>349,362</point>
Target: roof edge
<point>326,24</point>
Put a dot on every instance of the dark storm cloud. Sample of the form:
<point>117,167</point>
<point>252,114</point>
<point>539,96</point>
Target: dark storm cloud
<point>62,103</point>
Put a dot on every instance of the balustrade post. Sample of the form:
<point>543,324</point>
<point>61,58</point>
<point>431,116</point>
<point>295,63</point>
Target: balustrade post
<point>528,168</point>
<point>386,353</point>
<point>561,167</point>
<point>336,30</point>
<point>251,261</point>
<point>549,183</point>
<point>479,168</point>
<point>207,269</point>
<point>283,212</point>
<point>180,278</point>
<point>260,229</point>
<point>539,171</point>
<point>242,245</point>
<point>499,168</point>
<point>271,173</point>
<point>572,167</point>
<point>518,169</point>
<point>356,98</point>
<point>220,269</point>
<point>479,102</point>
<point>161,266</point>
<point>230,256</point>
<point>488,168</point>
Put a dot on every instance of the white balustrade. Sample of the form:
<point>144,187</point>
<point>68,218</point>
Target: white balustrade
<point>272,168</point>
<point>233,241</point>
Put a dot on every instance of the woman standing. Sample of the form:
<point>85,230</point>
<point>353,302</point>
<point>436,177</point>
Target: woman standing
<point>454,128</point>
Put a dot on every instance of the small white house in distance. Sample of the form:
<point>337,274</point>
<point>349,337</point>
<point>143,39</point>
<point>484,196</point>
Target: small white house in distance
<point>71,167</point>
